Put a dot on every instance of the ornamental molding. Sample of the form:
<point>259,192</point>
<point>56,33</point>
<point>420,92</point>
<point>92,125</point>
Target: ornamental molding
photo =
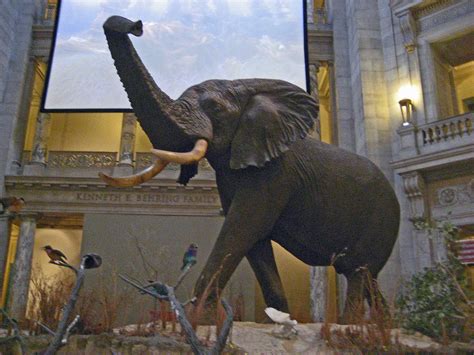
<point>408,28</point>
<point>87,195</point>
<point>454,155</point>
<point>450,12</point>
<point>423,11</point>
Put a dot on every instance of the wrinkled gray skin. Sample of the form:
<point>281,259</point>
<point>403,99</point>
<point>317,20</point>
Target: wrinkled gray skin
<point>275,182</point>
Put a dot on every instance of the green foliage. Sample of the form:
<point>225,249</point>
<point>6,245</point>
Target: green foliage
<point>436,301</point>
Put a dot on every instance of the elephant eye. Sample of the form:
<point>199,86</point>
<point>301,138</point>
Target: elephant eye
<point>212,106</point>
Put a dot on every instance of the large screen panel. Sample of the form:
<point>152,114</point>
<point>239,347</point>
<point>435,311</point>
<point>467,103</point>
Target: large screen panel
<point>184,43</point>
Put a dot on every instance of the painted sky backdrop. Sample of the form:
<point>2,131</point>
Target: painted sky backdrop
<point>184,43</point>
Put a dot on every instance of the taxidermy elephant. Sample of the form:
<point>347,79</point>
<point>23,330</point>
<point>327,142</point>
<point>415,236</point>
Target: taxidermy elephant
<point>321,203</point>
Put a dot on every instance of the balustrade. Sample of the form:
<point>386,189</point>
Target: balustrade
<point>445,133</point>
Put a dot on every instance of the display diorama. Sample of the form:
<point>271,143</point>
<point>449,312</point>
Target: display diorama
<point>325,205</point>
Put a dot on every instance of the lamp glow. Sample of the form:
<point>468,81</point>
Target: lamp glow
<point>406,107</point>
<point>406,95</point>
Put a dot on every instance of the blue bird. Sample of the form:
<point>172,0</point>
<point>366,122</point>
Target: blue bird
<point>190,257</point>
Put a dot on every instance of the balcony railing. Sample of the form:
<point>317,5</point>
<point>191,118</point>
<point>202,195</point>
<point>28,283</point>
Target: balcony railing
<point>444,134</point>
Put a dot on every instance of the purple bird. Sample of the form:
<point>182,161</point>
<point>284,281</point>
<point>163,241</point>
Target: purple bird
<point>190,257</point>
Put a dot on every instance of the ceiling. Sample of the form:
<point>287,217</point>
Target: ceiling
<point>457,51</point>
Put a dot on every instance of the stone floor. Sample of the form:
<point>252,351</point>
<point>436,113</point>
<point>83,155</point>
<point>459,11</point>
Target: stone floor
<point>245,338</point>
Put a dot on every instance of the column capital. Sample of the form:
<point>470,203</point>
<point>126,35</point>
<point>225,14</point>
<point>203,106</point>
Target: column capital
<point>408,27</point>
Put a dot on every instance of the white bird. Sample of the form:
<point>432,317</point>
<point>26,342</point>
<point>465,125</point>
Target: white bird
<point>286,326</point>
<point>280,317</point>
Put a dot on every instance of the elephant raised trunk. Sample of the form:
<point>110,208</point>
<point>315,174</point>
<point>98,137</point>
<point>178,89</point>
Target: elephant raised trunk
<point>167,124</point>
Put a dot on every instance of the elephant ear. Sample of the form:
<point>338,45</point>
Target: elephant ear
<point>271,122</point>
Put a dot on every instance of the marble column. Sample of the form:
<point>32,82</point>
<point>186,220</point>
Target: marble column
<point>318,293</point>
<point>29,100</point>
<point>313,80</point>
<point>22,268</point>
<point>40,145</point>
<point>318,278</point>
<point>310,11</point>
<point>127,144</point>
<point>332,102</point>
<point>4,240</point>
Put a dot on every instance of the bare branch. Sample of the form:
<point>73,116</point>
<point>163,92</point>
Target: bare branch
<point>146,263</point>
<point>143,289</point>
<point>191,336</point>
<point>16,331</point>
<point>226,327</point>
<point>68,330</point>
<point>89,261</point>
<point>45,328</point>
<point>63,264</point>
<point>181,277</point>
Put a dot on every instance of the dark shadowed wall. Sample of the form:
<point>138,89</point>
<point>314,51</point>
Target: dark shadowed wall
<point>142,246</point>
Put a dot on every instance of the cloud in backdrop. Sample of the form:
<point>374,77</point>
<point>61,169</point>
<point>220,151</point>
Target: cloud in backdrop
<point>184,43</point>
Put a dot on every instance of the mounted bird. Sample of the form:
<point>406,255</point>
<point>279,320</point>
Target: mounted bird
<point>55,255</point>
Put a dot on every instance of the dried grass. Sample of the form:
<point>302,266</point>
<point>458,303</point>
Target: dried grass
<point>47,297</point>
<point>100,308</point>
<point>368,333</point>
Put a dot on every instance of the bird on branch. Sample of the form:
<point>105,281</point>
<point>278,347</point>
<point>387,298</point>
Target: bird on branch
<point>190,256</point>
<point>11,204</point>
<point>55,255</point>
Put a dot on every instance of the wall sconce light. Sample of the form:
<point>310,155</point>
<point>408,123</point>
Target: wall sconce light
<point>407,108</point>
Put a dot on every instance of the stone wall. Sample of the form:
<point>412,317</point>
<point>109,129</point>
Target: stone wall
<point>342,73</point>
<point>16,23</point>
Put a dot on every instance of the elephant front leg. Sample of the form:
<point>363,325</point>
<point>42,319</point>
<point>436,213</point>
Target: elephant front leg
<point>249,220</point>
<point>262,261</point>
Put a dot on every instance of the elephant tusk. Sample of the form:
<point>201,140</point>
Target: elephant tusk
<point>192,157</point>
<point>136,179</point>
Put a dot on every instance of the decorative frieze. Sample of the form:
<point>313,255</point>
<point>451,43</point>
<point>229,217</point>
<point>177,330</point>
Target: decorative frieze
<point>431,8</point>
<point>462,194</point>
<point>58,159</point>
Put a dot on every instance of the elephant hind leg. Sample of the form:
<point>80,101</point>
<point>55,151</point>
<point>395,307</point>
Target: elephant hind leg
<point>262,261</point>
<point>361,284</point>
<point>379,309</point>
<point>354,305</point>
